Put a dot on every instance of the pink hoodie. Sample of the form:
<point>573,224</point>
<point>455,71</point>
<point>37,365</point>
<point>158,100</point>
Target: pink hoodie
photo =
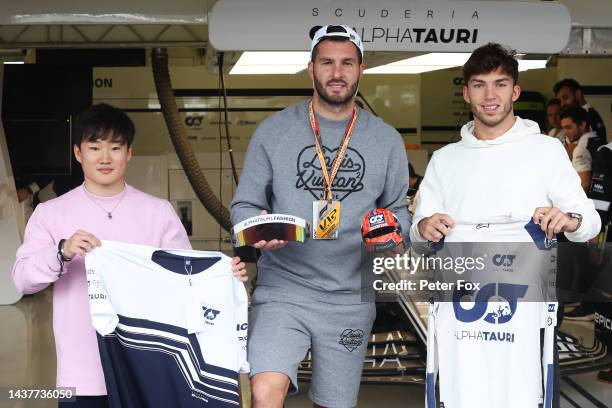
<point>138,218</point>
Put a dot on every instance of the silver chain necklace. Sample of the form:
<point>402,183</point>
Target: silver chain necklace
<point>109,214</point>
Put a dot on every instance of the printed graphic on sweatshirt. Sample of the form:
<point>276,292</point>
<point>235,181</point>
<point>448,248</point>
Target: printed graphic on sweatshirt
<point>348,180</point>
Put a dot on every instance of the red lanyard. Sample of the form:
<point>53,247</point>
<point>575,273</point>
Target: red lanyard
<point>328,179</point>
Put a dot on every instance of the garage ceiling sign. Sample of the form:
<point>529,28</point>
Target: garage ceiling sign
<point>58,12</point>
<point>391,25</point>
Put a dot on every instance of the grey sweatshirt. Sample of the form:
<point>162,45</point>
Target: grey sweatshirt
<point>282,174</point>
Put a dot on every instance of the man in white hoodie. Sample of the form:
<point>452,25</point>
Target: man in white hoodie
<point>503,167</point>
<point>502,174</point>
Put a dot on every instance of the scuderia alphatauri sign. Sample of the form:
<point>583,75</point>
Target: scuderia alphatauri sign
<point>391,25</point>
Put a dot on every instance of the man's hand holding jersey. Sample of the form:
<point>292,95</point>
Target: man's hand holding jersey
<point>435,227</point>
<point>80,243</point>
<point>239,269</point>
<point>553,221</point>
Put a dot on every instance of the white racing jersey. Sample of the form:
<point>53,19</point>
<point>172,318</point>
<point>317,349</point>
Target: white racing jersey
<point>486,344</point>
<point>483,364</point>
<point>172,325</point>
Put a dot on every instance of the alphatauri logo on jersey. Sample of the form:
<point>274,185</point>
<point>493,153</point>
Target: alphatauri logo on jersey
<point>210,314</point>
<point>503,260</point>
<point>498,312</point>
<point>348,180</point>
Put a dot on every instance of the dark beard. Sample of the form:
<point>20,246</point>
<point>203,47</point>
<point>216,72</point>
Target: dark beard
<point>334,101</point>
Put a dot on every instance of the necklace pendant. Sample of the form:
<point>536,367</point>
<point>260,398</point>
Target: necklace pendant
<point>110,216</point>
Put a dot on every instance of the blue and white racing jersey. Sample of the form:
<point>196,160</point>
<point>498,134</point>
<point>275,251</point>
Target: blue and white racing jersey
<point>172,325</point>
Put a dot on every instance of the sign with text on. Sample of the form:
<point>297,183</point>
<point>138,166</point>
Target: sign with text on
<point>391,25</point>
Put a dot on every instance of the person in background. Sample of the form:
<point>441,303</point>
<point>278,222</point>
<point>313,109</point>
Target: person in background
<point>43,188</point>
<point>414,182</point>
<point>414,179</point>
<point>569,93</point>
<point>601,189</point>
<point>600,192</point>
<point>28,186</point>
<point>582,143</point>
<point>553,110</point>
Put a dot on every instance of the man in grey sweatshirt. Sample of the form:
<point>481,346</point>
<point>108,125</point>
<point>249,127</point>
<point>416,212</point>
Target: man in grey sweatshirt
<point>311,294</point>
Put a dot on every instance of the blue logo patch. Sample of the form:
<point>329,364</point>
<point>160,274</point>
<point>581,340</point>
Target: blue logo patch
<point>503,260</point>
<point>210,314</point>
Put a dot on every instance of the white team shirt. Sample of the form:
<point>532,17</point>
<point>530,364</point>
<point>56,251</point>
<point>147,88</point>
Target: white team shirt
<point>581,157</point>
<point>172,325</point>
<point>486,347</point>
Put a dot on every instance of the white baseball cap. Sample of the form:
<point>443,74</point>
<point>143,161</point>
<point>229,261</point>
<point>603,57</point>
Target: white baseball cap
<point>319,34</point>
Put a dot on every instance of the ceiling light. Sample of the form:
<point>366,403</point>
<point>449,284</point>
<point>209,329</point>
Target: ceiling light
<point>270,63</point>
<point>525,65</point>
<point>422,63</point>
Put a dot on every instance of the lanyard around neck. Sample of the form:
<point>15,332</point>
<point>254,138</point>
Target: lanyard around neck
<point>329,176</point>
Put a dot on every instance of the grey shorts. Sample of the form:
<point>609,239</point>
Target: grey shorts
<point>280,334</point>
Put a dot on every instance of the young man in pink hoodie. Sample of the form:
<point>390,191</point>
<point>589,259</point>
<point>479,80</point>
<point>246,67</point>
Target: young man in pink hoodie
<point>61,231</point>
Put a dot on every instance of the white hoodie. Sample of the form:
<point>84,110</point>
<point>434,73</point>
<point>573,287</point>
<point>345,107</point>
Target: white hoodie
<point>491,188</point>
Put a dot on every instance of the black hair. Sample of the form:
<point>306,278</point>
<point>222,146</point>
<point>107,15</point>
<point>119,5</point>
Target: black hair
<point>571,83</point>
<point>489,58</point>
<point>553,101</point>
<point>104,122</point>
<point>332,29</point>
<point>576,113</point>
